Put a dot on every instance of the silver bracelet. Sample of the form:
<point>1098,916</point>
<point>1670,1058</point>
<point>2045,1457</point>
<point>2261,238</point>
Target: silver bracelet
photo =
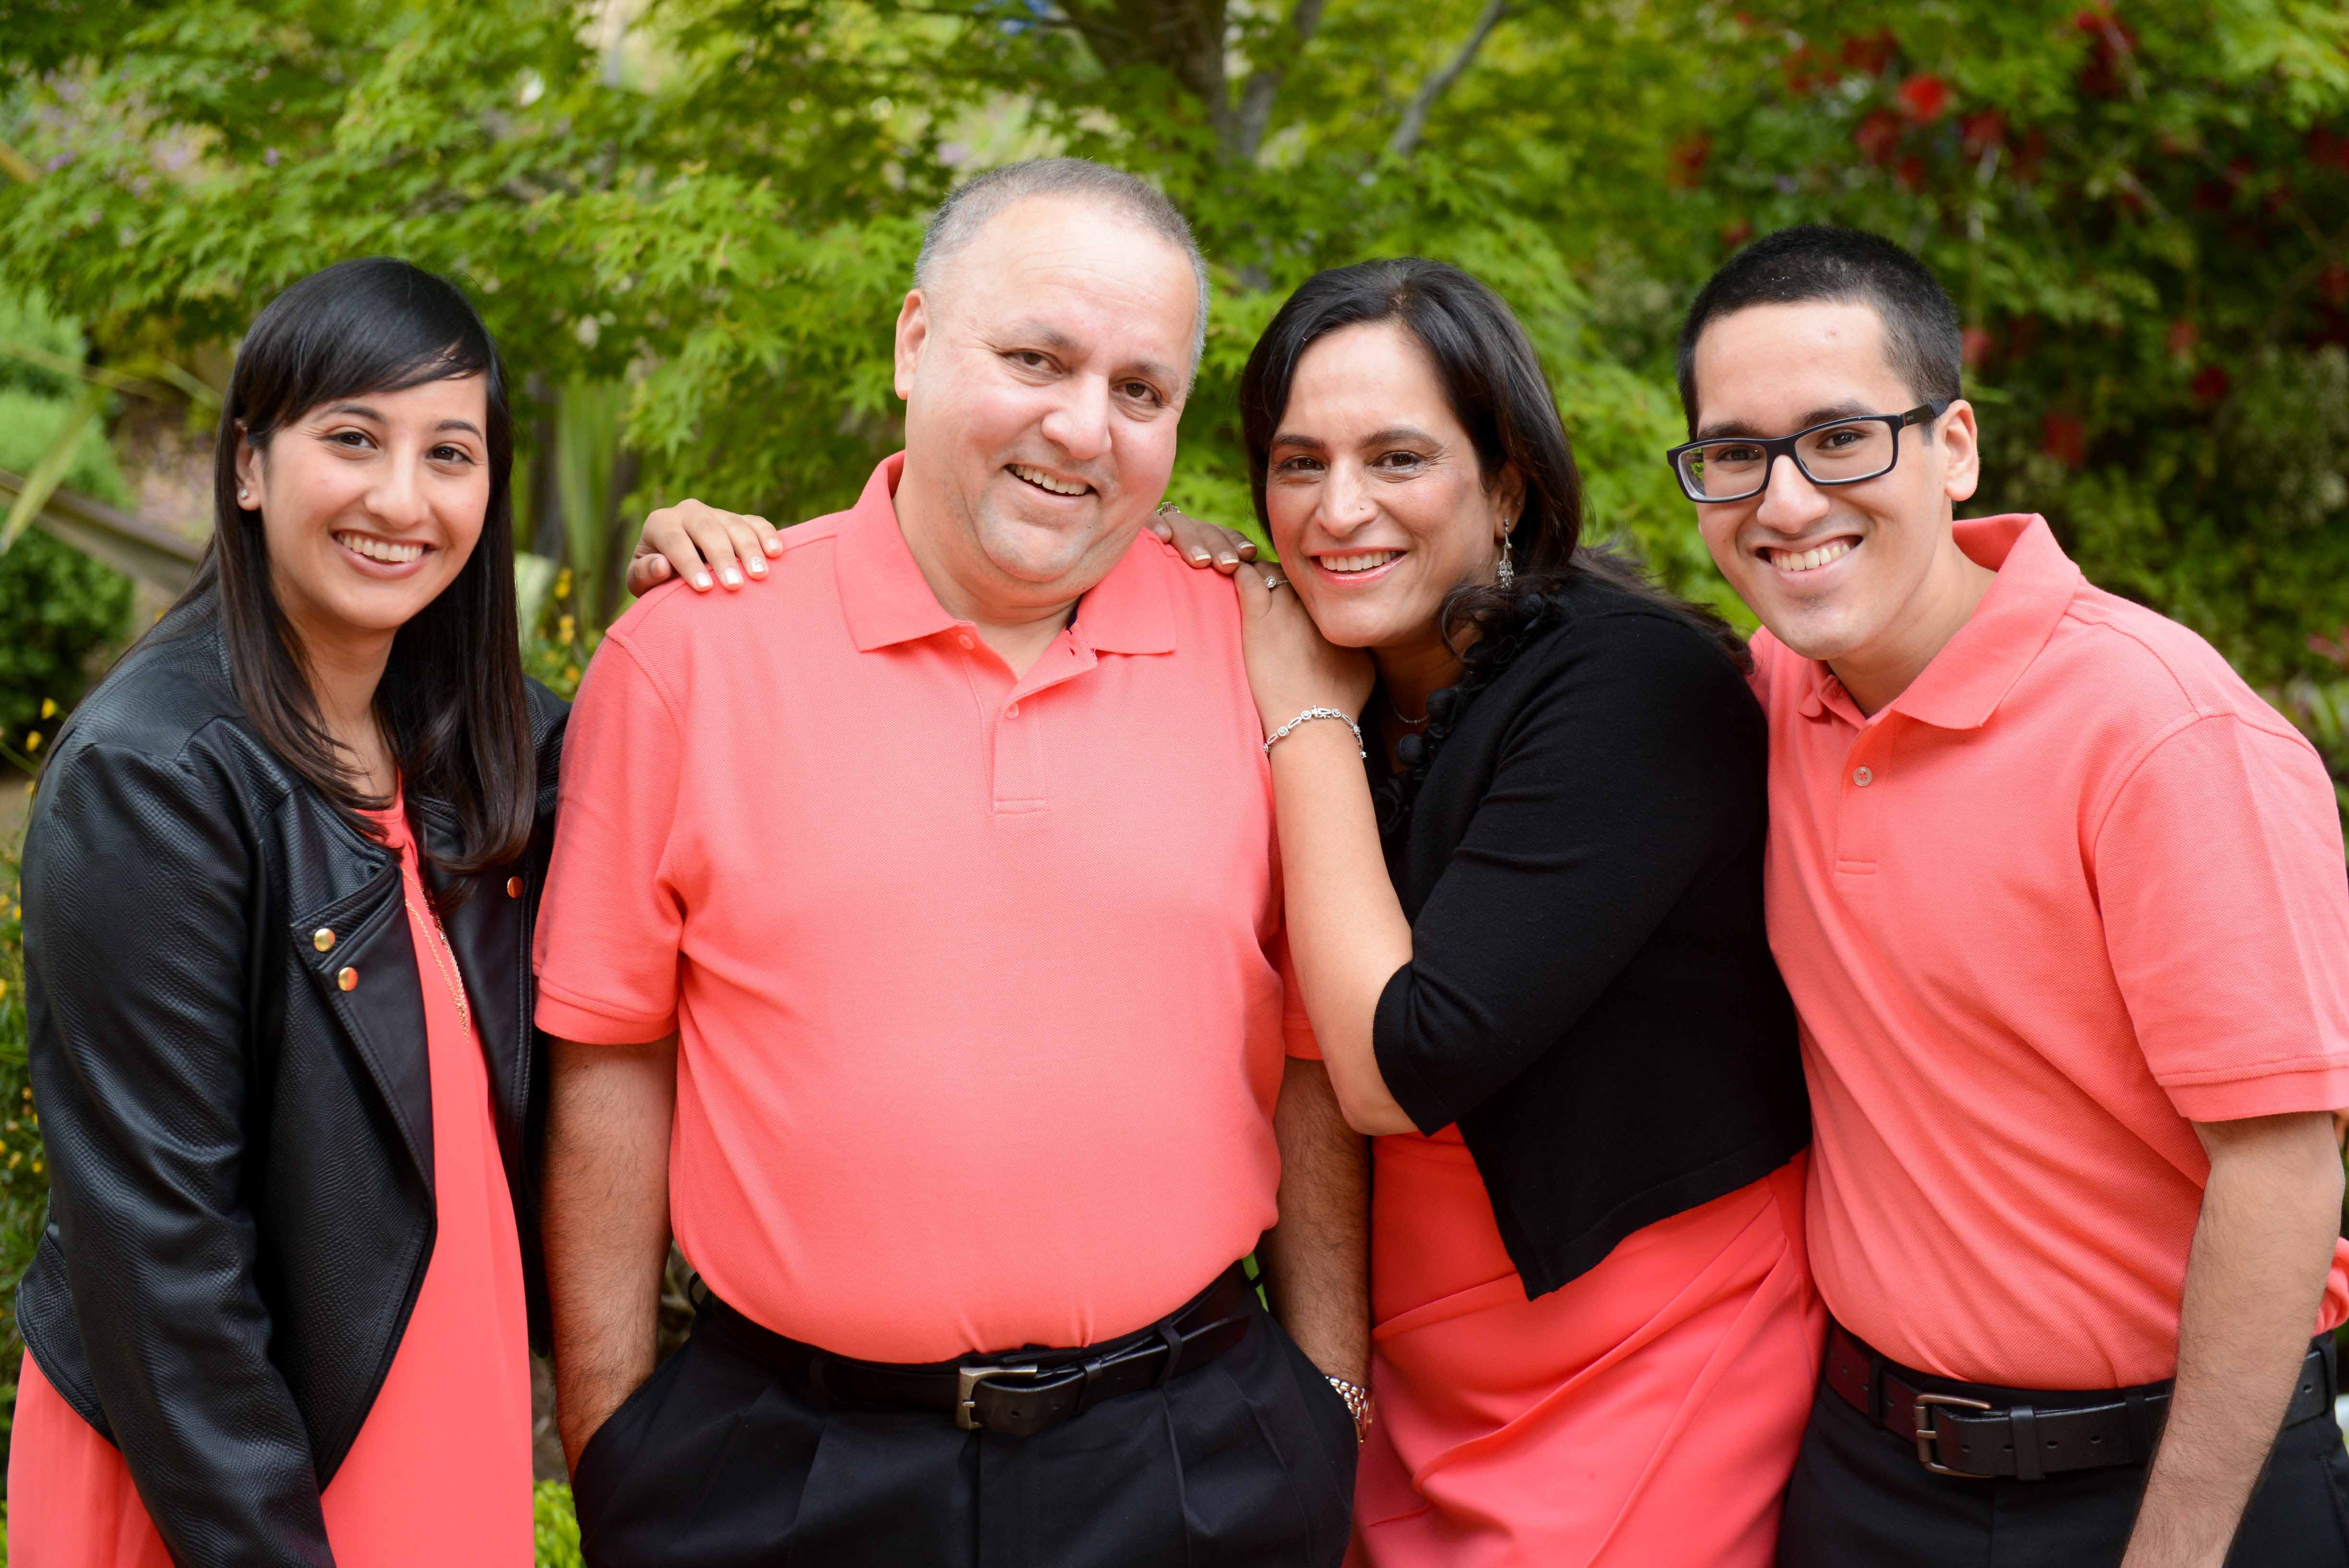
<point>1320,714</point>
<point>1358,1405</point>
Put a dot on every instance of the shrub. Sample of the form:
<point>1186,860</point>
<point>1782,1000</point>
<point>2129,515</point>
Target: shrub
<point>58,607</point>
<point>554,1525</point>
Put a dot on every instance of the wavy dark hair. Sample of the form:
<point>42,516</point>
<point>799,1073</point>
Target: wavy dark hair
<point>1493,381</point>
<point>451,700</point>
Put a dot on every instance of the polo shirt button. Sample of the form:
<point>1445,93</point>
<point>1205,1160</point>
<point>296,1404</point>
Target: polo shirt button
<point>963,637</point>
<point>1862,777</point>
<point>1012,712</point>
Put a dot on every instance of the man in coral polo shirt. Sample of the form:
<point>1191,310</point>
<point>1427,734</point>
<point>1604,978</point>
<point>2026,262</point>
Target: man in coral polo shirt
<point>960,1081</point>
<point>2062,906</point>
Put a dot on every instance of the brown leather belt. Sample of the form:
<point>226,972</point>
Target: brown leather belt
<point>1017,1393</point>
<point>1959,1433</point>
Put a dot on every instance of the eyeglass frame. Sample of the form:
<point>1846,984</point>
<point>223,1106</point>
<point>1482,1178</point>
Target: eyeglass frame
<point>1776,447</point>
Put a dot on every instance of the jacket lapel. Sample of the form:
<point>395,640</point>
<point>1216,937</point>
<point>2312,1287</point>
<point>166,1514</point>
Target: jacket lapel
<point>382,1007</point>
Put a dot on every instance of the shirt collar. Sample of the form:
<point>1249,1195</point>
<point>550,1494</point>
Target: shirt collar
<point>1965,682</point>
<point>887,600</point>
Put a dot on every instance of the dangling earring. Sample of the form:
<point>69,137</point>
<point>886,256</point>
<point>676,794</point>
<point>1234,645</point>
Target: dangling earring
<point>1508,572</point>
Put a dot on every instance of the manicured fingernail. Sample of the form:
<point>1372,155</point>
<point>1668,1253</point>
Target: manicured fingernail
<point>1198,557</point>
<point>701,580</point>
<point>758,566</point>
<point>774,546</point>
<point>730,577</point>
<point>1228,559</point>
<point>1248,552</point>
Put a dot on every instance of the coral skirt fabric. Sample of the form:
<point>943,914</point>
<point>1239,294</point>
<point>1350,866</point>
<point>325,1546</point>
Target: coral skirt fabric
<point>440,1472</point>
<point>1645,1415</point>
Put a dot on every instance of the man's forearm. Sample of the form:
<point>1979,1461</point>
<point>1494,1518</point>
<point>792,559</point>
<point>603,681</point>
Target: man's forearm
<point>605,1224</point>
<point>1317,1258</point>
<point>2261,1250</point>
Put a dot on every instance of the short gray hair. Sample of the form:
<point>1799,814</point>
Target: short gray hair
<point>968,209</point>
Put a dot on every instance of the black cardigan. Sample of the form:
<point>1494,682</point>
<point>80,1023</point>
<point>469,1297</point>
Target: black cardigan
<point>1590,994</point>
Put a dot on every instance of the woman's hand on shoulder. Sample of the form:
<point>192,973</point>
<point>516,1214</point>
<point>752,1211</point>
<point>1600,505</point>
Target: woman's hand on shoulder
<point>704,545</point>
<point>1202,544</point>
<point>1291,666</point>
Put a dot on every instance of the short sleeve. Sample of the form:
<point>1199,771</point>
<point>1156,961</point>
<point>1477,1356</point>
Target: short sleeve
<point>611,923</point>
<point>2226,904</point>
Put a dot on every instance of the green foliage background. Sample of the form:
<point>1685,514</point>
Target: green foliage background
<point>56,606</point>
<point>699,215</point>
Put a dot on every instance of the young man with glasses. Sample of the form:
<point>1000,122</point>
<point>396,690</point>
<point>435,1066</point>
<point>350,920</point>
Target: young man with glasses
<point>2060,903</point>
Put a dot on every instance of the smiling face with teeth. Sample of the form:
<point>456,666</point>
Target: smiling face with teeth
<point>1868,577</point>
<point>1376,499</point>
<point>1044,371</point>
<point>370,506</point>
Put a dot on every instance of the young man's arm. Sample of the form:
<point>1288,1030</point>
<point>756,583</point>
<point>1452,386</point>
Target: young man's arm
<point>1316,1259</point>
<point>605,1224</point>
<point>2261,1250</point>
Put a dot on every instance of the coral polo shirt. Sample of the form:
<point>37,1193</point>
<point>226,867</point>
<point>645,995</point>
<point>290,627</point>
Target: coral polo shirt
<point>977,1044</point>
<point>2074,890</point>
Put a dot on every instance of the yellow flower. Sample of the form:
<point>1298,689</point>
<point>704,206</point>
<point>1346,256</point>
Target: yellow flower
<point>32,740</point>
<point>49,707</point>
<point>563,583</point>
<point>566,629</point>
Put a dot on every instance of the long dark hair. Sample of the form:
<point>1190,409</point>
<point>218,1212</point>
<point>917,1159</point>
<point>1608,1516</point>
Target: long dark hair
<point>451,700</point>
<point>1493,381</point>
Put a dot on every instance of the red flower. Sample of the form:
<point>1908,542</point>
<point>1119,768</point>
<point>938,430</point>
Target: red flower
<point>1911,174</point>
<point>2063,438</point>
<point>1980,132</point>
<point>1689,160</point>
<point>2183,336</point>
<point>1736,232</point>
<point>1925,98</point>
<point>1804,70</point>
<point>1871,52</point>
<point>2210,386</point>
<point>1877,135</point>
<point>1978,343</point>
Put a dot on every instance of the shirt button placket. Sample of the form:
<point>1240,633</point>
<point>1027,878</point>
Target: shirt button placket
<point>1863,802</point>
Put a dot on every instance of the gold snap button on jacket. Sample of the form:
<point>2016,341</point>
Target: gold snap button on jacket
<point>514,886</point>
<point>322,938</point>
<point>347,978</point>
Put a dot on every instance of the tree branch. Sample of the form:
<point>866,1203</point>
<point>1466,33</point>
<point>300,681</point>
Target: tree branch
<point>1405,140</point>
<point>1264,85</point>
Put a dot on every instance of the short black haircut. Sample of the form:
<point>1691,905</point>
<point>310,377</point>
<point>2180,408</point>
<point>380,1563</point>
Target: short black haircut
<point>1816,262</point>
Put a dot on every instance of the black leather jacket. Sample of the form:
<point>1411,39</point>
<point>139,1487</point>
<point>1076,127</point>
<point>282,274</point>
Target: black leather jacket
<point>239,1150</point>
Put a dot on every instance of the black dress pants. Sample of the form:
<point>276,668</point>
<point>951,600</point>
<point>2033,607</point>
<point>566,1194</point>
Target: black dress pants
<point>1860,1500</point>
<point>1246,1460</point>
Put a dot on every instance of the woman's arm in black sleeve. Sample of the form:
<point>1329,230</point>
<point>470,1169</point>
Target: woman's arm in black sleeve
<point>1613,791</point>
<point>137,886</point>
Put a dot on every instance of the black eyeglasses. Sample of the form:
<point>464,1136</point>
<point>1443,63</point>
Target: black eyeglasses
<point>1840,452</point>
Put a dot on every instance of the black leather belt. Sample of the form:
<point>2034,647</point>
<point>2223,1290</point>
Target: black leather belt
<point>1017,1393</point>
<point>1958,1433</point>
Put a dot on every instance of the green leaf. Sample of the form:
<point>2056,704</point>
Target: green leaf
<point>42,482</point>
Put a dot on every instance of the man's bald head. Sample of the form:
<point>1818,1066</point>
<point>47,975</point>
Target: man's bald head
<point>963,214</point>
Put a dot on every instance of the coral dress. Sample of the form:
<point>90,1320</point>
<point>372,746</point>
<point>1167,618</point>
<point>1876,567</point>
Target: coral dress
<point>440,1471</point>
<point>1646,1415</point>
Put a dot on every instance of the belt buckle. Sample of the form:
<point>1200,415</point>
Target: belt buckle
<point>1927,1453</point>
<point>966,1382</point>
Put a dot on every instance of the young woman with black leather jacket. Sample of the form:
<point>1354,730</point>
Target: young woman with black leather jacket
<point>278,887</point>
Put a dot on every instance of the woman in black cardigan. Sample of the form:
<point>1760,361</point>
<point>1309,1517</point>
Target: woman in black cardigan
<point>1530,941</point>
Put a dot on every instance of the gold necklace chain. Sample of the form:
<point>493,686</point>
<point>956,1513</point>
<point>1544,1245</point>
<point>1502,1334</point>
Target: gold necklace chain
<point>451,976</point>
